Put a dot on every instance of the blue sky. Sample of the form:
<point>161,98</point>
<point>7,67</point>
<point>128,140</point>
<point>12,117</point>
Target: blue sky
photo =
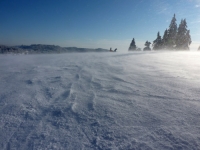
<point>93,23</point>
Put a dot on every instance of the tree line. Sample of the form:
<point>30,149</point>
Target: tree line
<point>44,49</point>
<point>174,38</point>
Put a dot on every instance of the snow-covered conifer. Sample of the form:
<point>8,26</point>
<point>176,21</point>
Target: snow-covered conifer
<point>157,43</point>
<point>164,39</point>
<point>183,39</point>
<point>188,40</point>
<point>172,31</point>
<point>147,44</point>
<point>132,46</point>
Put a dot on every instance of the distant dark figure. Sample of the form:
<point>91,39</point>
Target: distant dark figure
<point>113,50</point>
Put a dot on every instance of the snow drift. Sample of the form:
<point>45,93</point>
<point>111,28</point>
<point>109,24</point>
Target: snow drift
<point>100,101</point>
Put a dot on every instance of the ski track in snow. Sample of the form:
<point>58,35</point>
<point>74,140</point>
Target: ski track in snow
<point>100,101</point>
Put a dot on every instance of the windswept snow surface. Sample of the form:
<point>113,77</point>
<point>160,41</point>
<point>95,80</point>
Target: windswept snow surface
<point>141,100</point>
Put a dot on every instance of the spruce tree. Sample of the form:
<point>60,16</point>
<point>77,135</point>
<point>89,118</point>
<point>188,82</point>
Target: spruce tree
<point>172,31</point>
<point>157,43</point>
<point>180,35</point>
<point>188,40</point>
<point>132,46</point>
<point>183,39</point>
<point>147,44</point>
<point>164,39</point>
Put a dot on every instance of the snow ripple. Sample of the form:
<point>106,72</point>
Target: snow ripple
<point>91,101</point>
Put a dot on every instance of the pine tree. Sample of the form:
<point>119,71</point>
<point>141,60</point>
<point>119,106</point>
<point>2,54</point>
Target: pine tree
<point>180,35</point>
<point>188,40</point>
<point>199,48</point>
<point>164,39</point>
<point>147,44</point>
<point>157,43</point>
<point>172,31</point>
<point>132,45</point>
<point>183,39</point>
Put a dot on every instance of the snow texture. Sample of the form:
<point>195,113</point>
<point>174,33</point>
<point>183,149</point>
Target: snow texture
<point>100,101</point>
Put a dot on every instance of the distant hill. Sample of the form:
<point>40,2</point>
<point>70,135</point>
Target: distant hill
<point>46,49</point>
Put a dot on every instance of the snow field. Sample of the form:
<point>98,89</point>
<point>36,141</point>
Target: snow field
<point>100,101</point>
